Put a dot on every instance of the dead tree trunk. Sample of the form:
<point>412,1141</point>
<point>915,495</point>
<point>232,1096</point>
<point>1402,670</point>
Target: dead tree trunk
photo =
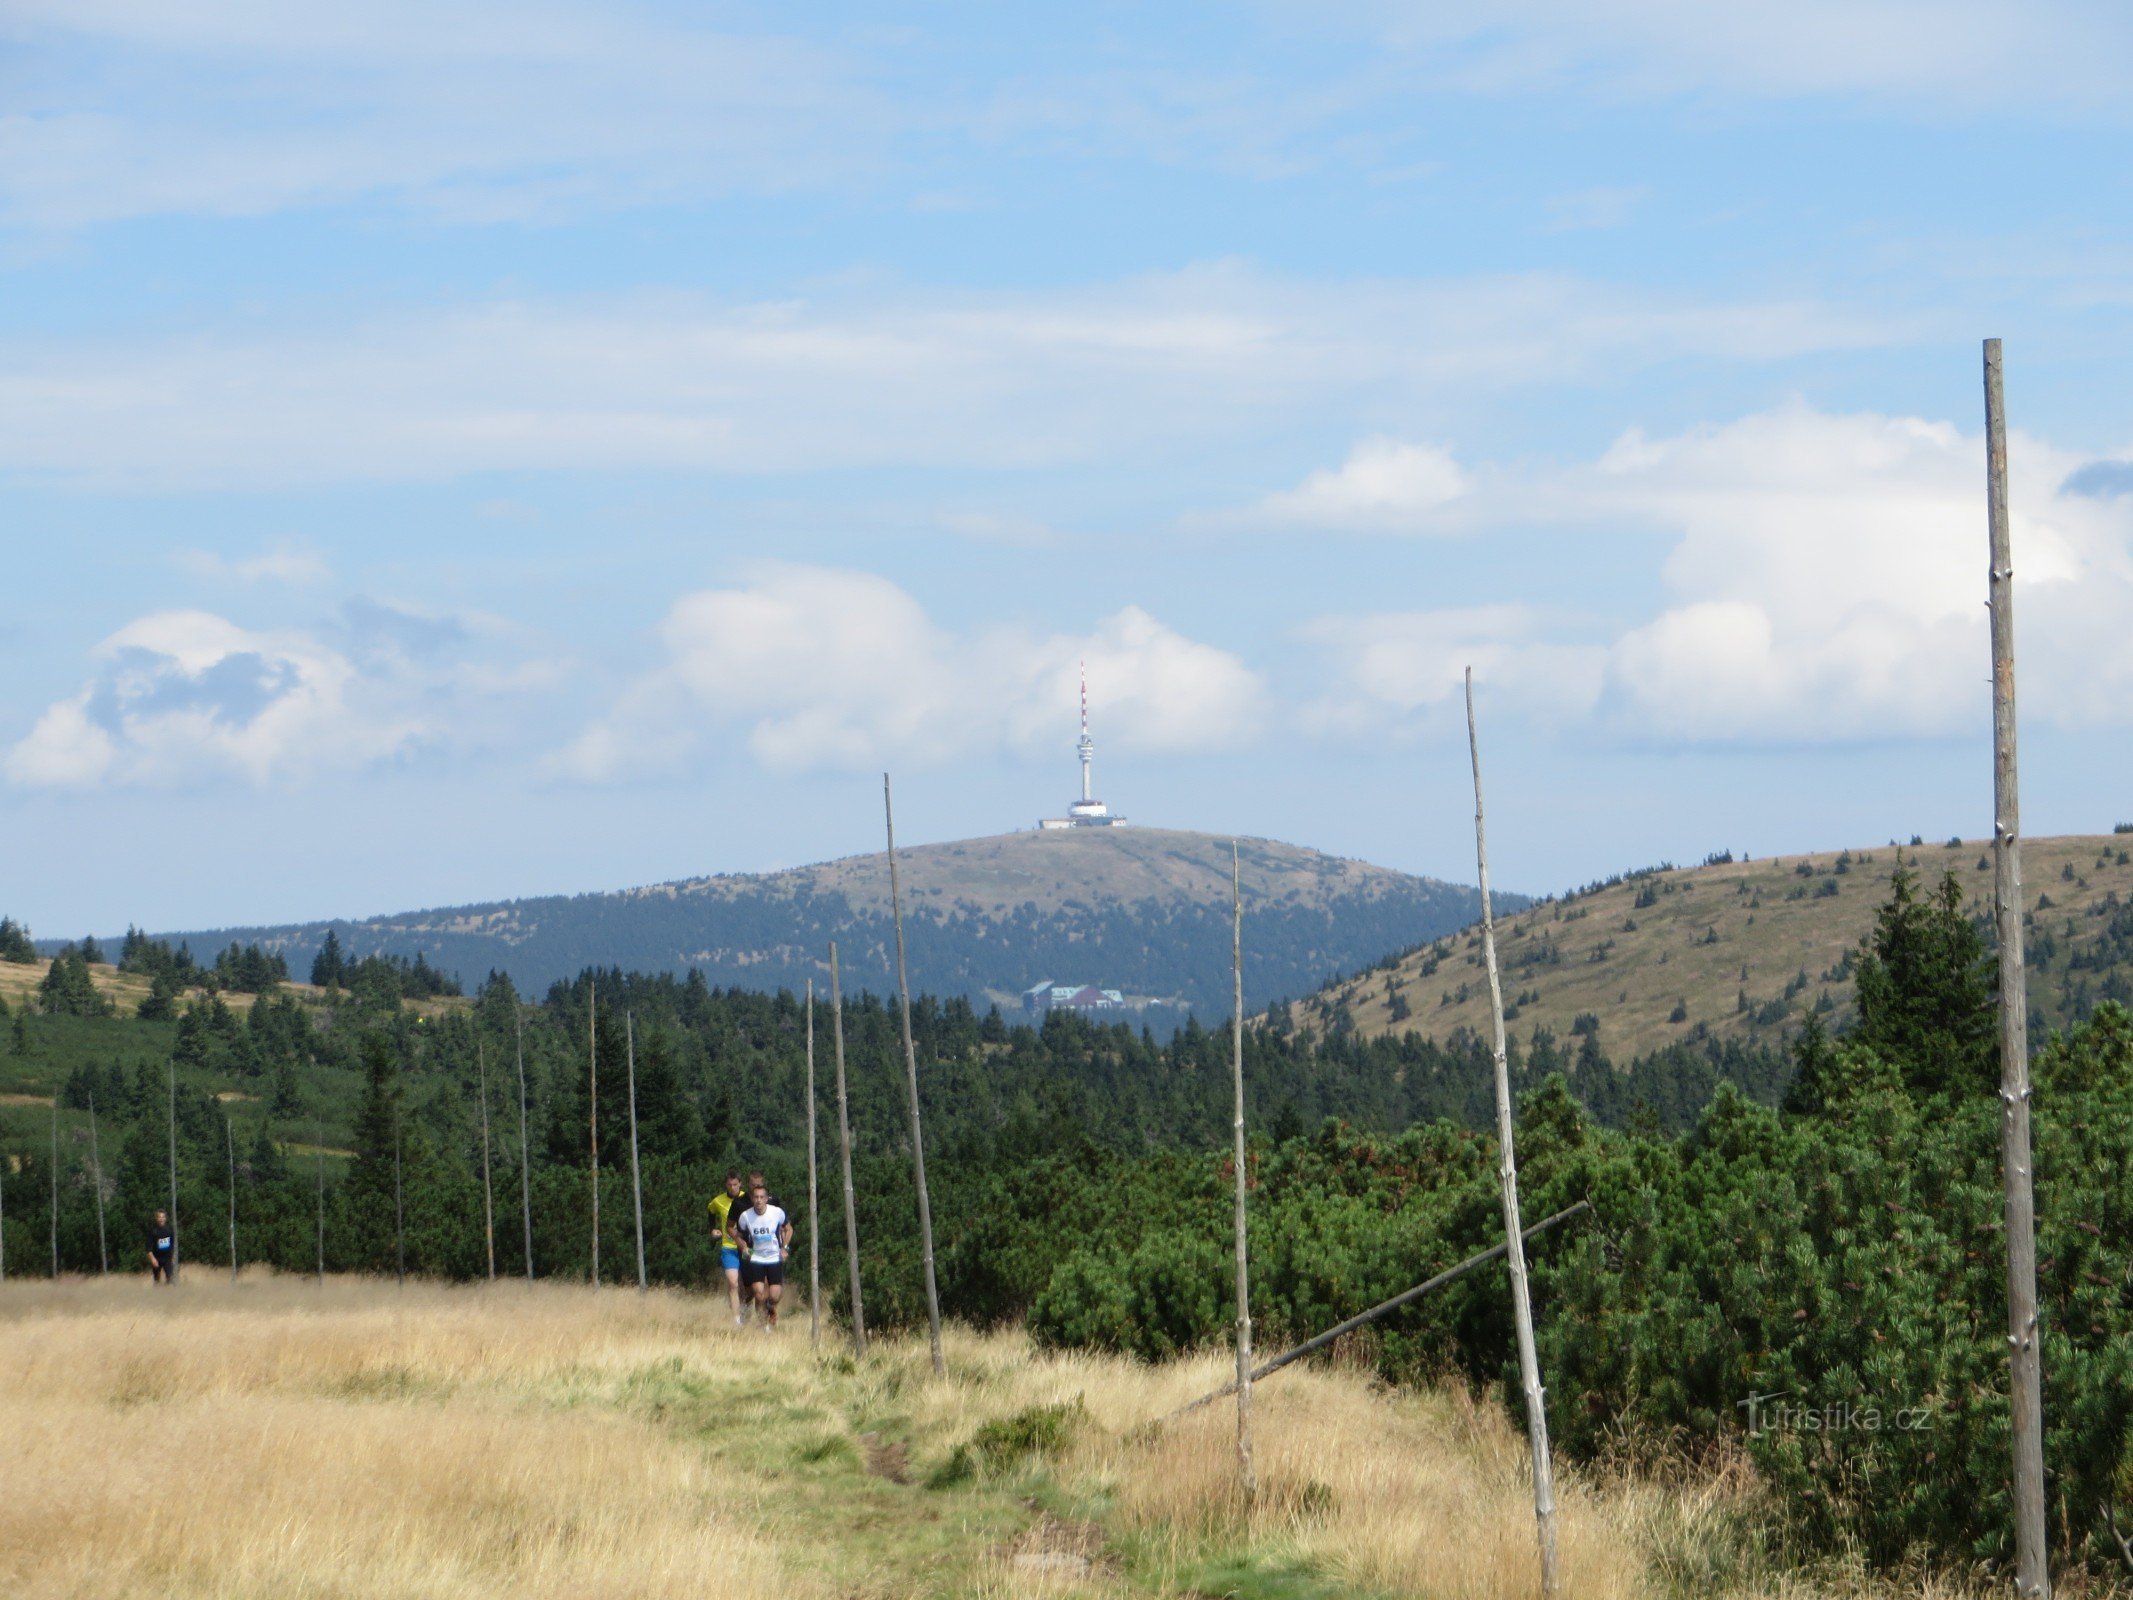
<point>592,1101</point>
<point>322,1202</point>
<point>96,1163</point>
<point>229,1134</point>
<point>173,1169</point>
<point>1507,1173</point>
<point>399,1210</point>
<point>918,1137</point>
<point>525,1170</point>
<point>844,1146</point>
<point>488,1193</point>
<point>1246,1477</point>
<point>2024,1355</point>
<point>629,1033</point>
<point>54,1174</point>
<point>814,1218</point>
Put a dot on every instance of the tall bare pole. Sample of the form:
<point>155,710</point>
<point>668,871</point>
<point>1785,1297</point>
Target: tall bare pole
<point>2024,1356</point>
<point>814,1219</point>
<point>173,1169</point>
<point>1507,1172</point>
<point>525,1170</point>
<point>96,1163</point>
<point>918,1138</point>
<point>55,1186</point>
<point>1246,1477</point>
<point>629,1034</point>
<point>488,1193</point>
<point>3,1222</point>
<point>322,1202</point>
<point>592,1100</point>
<point>399,1210</point>
<point>844,1145</point>
<point>229,1135</point>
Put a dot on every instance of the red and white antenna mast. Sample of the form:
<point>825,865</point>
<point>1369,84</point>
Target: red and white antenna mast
<point>1086,748</point>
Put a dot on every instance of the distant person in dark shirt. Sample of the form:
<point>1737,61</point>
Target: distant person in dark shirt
<point>162,1244</point>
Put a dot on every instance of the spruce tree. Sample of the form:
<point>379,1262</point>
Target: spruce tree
<point>1927,990</point>
<point>379,1135</point>
<point>328,969</point>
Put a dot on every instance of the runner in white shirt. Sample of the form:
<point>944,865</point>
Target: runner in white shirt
<point>765,1233</point>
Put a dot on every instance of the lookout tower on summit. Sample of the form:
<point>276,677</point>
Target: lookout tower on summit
<point>1088,811</point>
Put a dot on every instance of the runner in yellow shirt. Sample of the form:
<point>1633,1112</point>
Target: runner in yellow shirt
<point>729,1249</point>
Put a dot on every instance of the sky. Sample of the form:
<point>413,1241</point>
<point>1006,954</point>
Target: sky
<point>455,453</point>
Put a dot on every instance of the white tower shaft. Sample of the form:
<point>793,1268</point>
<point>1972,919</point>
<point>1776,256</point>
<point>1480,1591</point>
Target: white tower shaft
<point>1086,746</point>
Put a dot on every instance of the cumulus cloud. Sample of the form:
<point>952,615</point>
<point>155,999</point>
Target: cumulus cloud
<point>821,668</point>
<point>855,377</point>
<point>1385,485</point>
<point>297,568</point>
<point>179,697</point>
<point>1825,583</point>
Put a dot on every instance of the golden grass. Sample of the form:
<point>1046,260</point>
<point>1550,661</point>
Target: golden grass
<point>277,1438</point>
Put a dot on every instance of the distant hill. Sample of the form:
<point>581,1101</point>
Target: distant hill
<point>1142,910</point>
<point>1741,950</point>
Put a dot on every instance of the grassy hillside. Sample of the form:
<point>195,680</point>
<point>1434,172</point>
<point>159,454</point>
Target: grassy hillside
<point>1143,910</point>
<point>279,1437</point>
<point>1742,950</point>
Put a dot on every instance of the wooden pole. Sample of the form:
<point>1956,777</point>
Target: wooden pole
<point>1246,1477</point>
<point>1507,1173</point>
<point>844,1145</point>
<point>173,1170</point>
<point>629,1034</point>
<point>814,1231</point>
<point>3,1222</point>
<point>96,1163</point>
<point>399,1210</point>
<point>525,1170</point>
<point>229,1135</point>
<point>1319,1342</point>
<point>918,1138</point>
<point>592,1100</point>
<point>322,1202</point>
<point>55,1186</point>
<point>488,1193</point>
<point>2024,1354</point>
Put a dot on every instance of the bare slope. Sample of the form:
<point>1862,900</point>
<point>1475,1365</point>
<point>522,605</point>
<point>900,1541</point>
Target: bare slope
<point>1144,910</point>
<point>1742,950</point>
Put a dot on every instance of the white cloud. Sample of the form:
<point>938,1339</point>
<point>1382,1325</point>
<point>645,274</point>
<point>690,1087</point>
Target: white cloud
<point>298,568</point>
<point>1825,583</point>
<point>819,668</point>
<point>853,378</point>
<point>1385,485</point>
<point>179,697</point>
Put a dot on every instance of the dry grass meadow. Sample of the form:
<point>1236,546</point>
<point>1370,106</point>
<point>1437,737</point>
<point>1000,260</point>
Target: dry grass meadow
<point>279,1438</point>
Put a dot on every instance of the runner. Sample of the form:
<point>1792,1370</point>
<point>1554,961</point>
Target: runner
<point>722,1208</point>
<point>161,1241</point>
<point>765,1234</point>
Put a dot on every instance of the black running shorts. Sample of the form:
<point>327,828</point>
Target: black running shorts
<point>755,1272</point>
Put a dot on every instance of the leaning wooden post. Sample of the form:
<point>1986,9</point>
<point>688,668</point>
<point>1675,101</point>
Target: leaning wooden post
<point>229,1134</point>
<point>1245,1475</point>
<point>1507,1171</point>
<point>629,1034</point>
<point>322,1202</point>
<point>488,1194</point>
<point>592,1100</point>
<point>3,1222</point>
<point>55,1187</point>
<point>844,1145</point>
<point>918,1138</point>
<point>2024,1356</point>
<point>814,1229</point>
<point>96,1163</point>
<point>173,1169</point>
<point>525,1170</point>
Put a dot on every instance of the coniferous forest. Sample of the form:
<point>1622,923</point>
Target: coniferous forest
<point>1796,1256</point>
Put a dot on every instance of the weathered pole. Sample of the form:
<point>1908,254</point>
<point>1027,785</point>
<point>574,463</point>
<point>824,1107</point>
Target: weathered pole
<point>229,1135</point>
<point>918,1138</point>
<point>844,1145</point>
<point>3,1222</point>
<point>173,1278</point>
<point>322,1202</point>
<point>399,1210</point>
<point>814,1219</point>
<point>592,1100</point>
<point>2024,1355</point>
<point>488,1194</point>
<point>55,1186</point>
<point>1507,1173</point>
<point>1245,1474</point>
<point>629,1034</point>
<point>525,1171</point>
<point>96,1163</point>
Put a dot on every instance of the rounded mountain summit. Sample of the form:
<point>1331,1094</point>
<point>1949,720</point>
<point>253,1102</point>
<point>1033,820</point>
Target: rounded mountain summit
<point>1010,921</point>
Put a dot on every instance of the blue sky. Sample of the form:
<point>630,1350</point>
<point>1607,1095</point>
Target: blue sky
<point>490,450</point>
